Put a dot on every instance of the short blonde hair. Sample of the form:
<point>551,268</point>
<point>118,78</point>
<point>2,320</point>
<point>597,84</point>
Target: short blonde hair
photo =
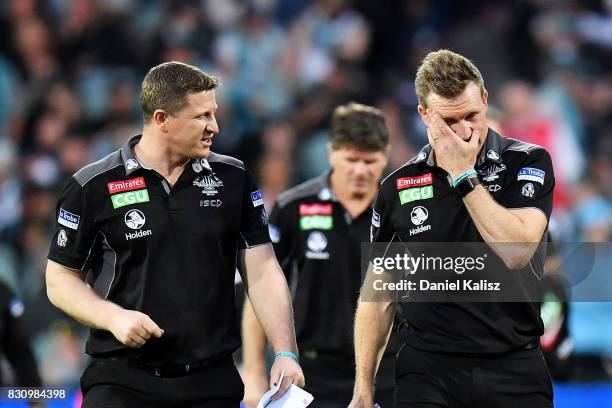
<point>167,85</point>
<point>445,73</point>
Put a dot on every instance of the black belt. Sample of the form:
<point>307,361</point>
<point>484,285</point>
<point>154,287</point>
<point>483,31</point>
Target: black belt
<point>169,370</point>
<point>531,345</point>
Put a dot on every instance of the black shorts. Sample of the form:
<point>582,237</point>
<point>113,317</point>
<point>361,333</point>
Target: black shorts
<point>112,383</point>
<point>432,380</point>
<point>330,378</point>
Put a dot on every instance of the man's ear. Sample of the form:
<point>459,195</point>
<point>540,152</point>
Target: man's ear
<point>330,150</point>
<point>387,157</point>
<point>160,119</point>
<point>422,113</point>
<point>485,97</point>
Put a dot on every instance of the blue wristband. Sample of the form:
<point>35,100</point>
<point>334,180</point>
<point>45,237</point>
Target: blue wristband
<point>287,354</point>
<point>463,176</point>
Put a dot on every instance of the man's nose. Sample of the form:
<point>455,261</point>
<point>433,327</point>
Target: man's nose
<point>360,168</point>
<point>462,129</point>
<point>212,126</point>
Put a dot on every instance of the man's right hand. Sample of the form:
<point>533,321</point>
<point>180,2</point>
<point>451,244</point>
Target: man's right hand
<point>292,375</point>
<point>133,328</point>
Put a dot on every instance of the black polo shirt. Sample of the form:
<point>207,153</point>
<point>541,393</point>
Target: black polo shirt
<point>416,203</point>
<point>169,252</point>
<point>318,245</point>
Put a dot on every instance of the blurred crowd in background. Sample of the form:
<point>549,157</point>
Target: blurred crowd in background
<point>70,72</point>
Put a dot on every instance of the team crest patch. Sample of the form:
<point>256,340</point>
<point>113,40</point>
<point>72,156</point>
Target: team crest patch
<point>62,238</point>
<point>490,171</point>
<point>131,164</point>
<point>528,190</point>
<point>492,155</point>
<point>68,219</point>
<point>210,184</point>
<point>531,174</point>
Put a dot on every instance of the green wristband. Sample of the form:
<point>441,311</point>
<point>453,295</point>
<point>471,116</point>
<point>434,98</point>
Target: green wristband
<point>287,354</point>
<point>463,176</point>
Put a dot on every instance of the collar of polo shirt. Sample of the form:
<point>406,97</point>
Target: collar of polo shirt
<point>131,162</point>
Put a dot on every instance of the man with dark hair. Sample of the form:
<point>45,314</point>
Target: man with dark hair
<point>317,228</point>
<point>160,226</point>
<point>468,184</point>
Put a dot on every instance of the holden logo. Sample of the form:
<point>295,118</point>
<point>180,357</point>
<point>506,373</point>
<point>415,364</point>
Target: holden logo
<point>317,241</point>
<point>419,215</point>
<point>134,219</point>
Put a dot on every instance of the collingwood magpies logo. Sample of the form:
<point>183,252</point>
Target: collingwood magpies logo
<point>209,184</point>
<point>489,171</point>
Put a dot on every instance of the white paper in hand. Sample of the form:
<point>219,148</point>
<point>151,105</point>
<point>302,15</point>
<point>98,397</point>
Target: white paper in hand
<point>265,399</point>
<point>295,397</point>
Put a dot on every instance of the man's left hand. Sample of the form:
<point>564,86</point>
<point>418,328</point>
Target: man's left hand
<point>293,375</point>
<point>453,154</point>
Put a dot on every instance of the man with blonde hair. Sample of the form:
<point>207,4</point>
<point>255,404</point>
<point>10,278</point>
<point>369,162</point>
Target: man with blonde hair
<point>468,184</point>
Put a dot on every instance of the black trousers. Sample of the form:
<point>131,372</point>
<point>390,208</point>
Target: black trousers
<point>434,380</point>
<point>330,378</point>
<point>110,383</point>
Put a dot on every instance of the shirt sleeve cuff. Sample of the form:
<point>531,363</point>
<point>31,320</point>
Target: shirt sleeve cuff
<point>254,238</point>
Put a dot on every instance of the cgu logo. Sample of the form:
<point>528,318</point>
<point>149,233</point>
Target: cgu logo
<point>129,198</point>
<point>415,194</point>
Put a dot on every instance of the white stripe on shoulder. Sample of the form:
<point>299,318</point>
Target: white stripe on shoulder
<point>87,173</point>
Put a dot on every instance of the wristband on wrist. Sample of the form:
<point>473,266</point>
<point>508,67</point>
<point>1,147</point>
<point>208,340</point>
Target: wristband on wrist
<point>463,176</point>
<point>287,354</point>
